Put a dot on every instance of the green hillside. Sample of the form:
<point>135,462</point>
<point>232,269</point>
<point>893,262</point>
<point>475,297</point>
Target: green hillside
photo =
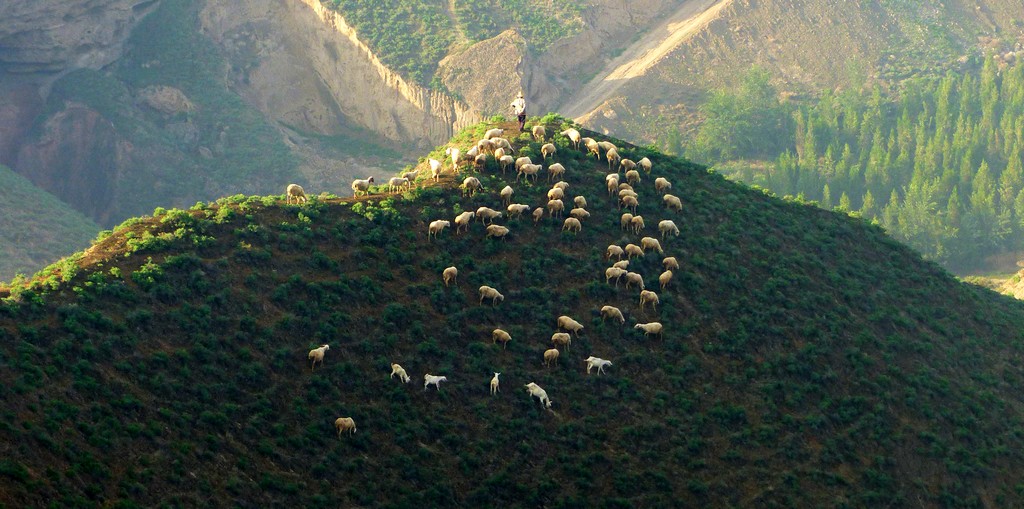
<point>35,227</point>
<point>808,360</point>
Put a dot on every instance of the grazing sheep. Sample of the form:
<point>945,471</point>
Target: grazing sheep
<point>633,278</point>
<point>627,164</point>
<point>436,227</point>
<point>667,227</point>
<point>529,170</point>
<point>295,191</point>
<point>486,147</point>
<point>462,220</point>
<point>505,162</point>
<point>561,184</point>
<point>574,137</point>
<point>450,275</point>
<point>607,145</point>
<point>538,213</point>
<point>627,192</point>
<point>580,202</point>
<point>633,177</point>
<point>429,380</point>
<point>614,273</point>
<point>664,278</point>
<point>613,158</point>
<point>645,163</point>
<point>561,339</point>
<point>521,161</point>
<point>486,292</point>
<point>572,224</point>
<point>548,149</point>
<point>599,363</point>
<point>634,250</point>
<point>494,384</point>
<point>536,392</point>
<point>556,193</point>
<point>496,231</point>
<point>613,185</point>
<point>494,133</point>
<point>661,184</point>
<point>517,210</point>
<point>361,186</point>
<point>648,296</point>
<point>594,148</point>
<point>649,328</point>
<point>651,243</point>
<point>487,214</point>
<point>411,175</point>
<point>502,143</point>
<point>480,162</point>
<point>586,141</point>
<point>673,202</point>
<point>555,170</point>
<point>506,195</point>
<point>579,213</point>
<point>630,202</point>
<point>435,165</point>
<point>550,357</point>
<point>471,185</point>
<point>500,335</point>
<point>499,153</point>
<point>626,221</point>
<point>473,152</point>
<point>400,371</point>
<point>614,250</point>
<point>454,153</point>
<point>343,424</point>
<point>539,132</point>
<point>567,323</point>
<point>637,224</point>
<point>317,355</point>
<point>397,183</point>
<point>670,263</point>
<point>613,313</point>
<point>621,264</point>
<point>555,208</point>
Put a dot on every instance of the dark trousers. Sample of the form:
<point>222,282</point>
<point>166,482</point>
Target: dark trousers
<point>522,120</point>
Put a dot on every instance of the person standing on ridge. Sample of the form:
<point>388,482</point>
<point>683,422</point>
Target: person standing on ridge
<point>519,109</point>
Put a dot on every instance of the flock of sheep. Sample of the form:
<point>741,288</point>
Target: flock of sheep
<point>494,145</point>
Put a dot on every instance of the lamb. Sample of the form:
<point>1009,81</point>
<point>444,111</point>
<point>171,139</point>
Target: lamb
<point>555,208</point>
<point>361,186</point>
<point>556,193</point>
<point>574,137</point>
<point>580,202</point>
<point>538,213</point>
<point>317,355</point>
<point>673,202</point>
<point>614,250</point>
<point>633,177</point>
<point>462,220</point>
<point>648,296</point>
<point>634,250</point>
<point>494,133</point>
<point>343,424</point>
<point>637,224</point>
<point>670,263</point>
<point>579,213</point>
<point>529,170</point>
<point>667,227</point>
<point>536,392</point>
<point>548,149</point>
<point>630,202</point>
<point>487,214</point>
<point>429,380</point>
<point>295,191</point>
<point>651,243</point>
<point>621,264</point>
<point>496,231</point>
<point>645,163</point>
<point>517,210</point>
<point>626,221</point>
<point>397,183</point>
<point>613,313</point>
<point>664,278</point>
<point>572,224</point>
<point>550,357</point>
<point>494,384</point>
<point>400,371</point>
<point>450,275</point>
<point>435,165</point>
<point>486,292</point>
<point>436,227</point>
<point>614,273</point>
<point>454,153</point>
<point>561,339</point>
<point>627,164</point>
<point>471,185</point>
<point>633,278</point>
<point>661,184</point>
<point>555,170</point>
<point>539,132</point>
<point>505,162</point>
<point>613,157</point>
<point>594,148</point>
<point>500,335</point>
<point>567,323</point>
<point>649,328</point>
<point>599,363</point>
<point>506,195</point>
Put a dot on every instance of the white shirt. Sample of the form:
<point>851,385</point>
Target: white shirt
<point>519,105</point>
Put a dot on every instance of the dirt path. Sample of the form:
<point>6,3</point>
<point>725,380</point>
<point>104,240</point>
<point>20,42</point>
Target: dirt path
<point>450,12</point>
<point>642,55</point>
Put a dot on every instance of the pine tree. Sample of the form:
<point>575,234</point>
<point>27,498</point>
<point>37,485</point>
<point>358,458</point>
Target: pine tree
<point>844,203</point>
<point>867,209</point>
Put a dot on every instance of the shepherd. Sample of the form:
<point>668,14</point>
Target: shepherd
<point>519,109</point>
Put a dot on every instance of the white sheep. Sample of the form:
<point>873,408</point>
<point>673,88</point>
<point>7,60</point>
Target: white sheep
<point>400,371</point>
<point>574,137</point>
<point>629,202</point>
<point>613,158</point>
<point>594,148</point>
<point>626,221</point>
<point>361,186</point>
<point>633,278</point>
<point>317,355</point>
<point>548,149</point>
<point>521,161</point>
<point>462,220</point>
<point>621,264</point>
<point>651,243</point>
<point>506,195</point>
<point>627,164</point>
<point>429,380</point>
<point>556,193</point>
<point>494,133</point>
<point>536,392</point>
<point>613,313</point>
<point>503,143</point>
<point>555,208</point>
<point>538,213</point>
<point>645,163</point>
<point>517,210</point>
<point>572,224</point>
<point>472,152</point>
<point>437,227</point>
<point>500,335</point>
<point>471,185</point>
<point>411,175</point>
<point>664,278</point>
<point>637,224</point>
<point>634,250</point>
<point>295,191</point>
<point>614,273</point>
<point>662,184</point>
<point>649,328</point>
<point>670,263</point>
<point>673,202</point>
<point>627,192</point>
<point>555,170</point>
<point>647,296</point>
<point>486,292</point>
<point>579,213</point>
<point>397,183</point>
<point>343,424</point>
<point>614,250</point>
<point>633,177</point>
<point>505,162</point>
<point>668,227</point>
<point>435,165</point>
<point>550,356</point>
<point>494,384</point>
<point>496,231</point>
<point>480,162</point>
<point>529,170</point>
<point>487,214</point>
<point>539,132</point>
<point>626,186</point>
<point>499,153</point>
<point>607,145</point>
<point>567,323</point>
<point>450,275</point>
<point>561,184</point>
<point>580,202</point>
<point>596,362</point>
<point>454,153</point>
<point>612,184</point>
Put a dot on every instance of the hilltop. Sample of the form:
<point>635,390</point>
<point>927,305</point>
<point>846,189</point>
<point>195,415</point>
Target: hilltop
<point>807,360</point>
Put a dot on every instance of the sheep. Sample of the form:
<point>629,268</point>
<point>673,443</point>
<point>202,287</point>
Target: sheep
<point>580,202</point>
<point>613,313</point>
<point>506,195</point>
<point>567,323</point>
<point>529,170</point>
<point>648,296</point>
<point>485,147</point>
<point>317,355</point>
<point>579,213</point>
<point>550,356</point>
<point>517,210</point>
<point>664,278</point>
<point>454,153</point>
<point>435,165</point>
<point>548,149</point>
<point>561,184</point>
<point>634,250</point>
<point>496,231</point>
<point>594,148</point>
<point>494,133</point>
<point>614,250</point>
<point>400,371</point>
<point>637,224</point>
<point>574,137</point>
<point>480,162</point>
<point>614,273</point>
<point>471,185</point>
<point>621,264</point>
<point>597,362</point>
<point>626,221</point>
<point>673,202</point>
<point>667,227</point>
<point>361,186</point>
<point>450,275</point>
<point>670,263</point>
<point>499,153</point>
<point>505,162</point>
<point>472,152</point>
<point>627,164</point>
<point>538,213</point>
<point>633,278</point>
<point>521,161</point>
<point>649,328</point>
<point>487,214</point>
<point>555,170</point>
<point>500,335</point>
<point>411,175</point>
<point>502,143</point>
<point>572,224</point>
<point>295,191</point>
<point>556,193</point>
<point>494,384</point>
<point>612,183</point>
<point>429,380</point>
<point>462,220</point>
<point>555,208</point>
<point>536,392</point>
<point>343,424</point>
<point>607,145</point>
<point>661,184</point>
<point>633,177</point>
<point>629,202</point>
<point>627,192</point>
<point>651,243</point>
<point>436,227</point>
<point>613,157</point>
<point>587,141</point>
<point>486,292</point>
<point>645,163</point>
<point>561,339</point>
<point>397,183</point>
<point>539,132</point>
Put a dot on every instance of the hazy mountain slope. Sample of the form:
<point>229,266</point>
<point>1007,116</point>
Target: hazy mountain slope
<point>807,360</point>
<point>35,227</point>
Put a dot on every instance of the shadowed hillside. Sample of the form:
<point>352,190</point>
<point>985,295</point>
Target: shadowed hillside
<point>807,360</point>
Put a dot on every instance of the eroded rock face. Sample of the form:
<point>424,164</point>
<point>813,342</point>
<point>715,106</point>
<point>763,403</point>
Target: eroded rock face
<point>166,100</point>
